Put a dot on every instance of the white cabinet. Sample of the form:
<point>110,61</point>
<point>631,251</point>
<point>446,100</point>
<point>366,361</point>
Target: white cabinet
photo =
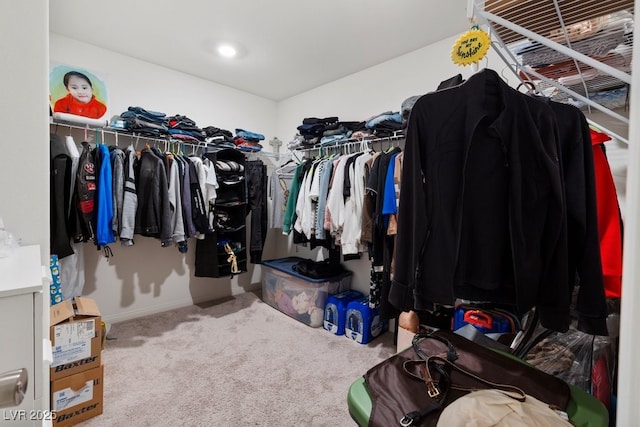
<point>22,328</point>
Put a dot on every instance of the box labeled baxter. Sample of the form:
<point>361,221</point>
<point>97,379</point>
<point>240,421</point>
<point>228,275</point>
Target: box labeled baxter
<point>75,337</point>
<point>77,397</point>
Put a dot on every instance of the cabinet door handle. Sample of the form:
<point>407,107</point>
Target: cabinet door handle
<point>13,387</point>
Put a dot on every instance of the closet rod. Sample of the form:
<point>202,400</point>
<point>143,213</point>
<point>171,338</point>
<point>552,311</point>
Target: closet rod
<point>132,135</point>
<point>557,46</point>
<point>397,136</point>
<point>264,154</point>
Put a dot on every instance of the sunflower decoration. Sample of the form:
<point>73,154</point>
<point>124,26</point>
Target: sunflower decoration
<point>470,47</point>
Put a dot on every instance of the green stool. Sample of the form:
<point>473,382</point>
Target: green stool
<point>584,410</point>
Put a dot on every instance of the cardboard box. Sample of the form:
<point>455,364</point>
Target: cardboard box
<point>76,337</point>
<point>77,397</point>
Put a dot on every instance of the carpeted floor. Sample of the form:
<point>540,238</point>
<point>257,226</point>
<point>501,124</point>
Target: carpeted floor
<point>233,362</point>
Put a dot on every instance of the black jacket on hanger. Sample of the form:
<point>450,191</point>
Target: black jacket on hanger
<point>584,261</point>
<point>60,196</point>
<point>153,216</point>
<point>484,217</point>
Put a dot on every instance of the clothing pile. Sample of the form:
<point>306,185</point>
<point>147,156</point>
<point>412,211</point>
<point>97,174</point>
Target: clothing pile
<point>312,128</point>
<point>185,129</point>
<point>248,141</point>
<point>298,141</point>
<point>219,137</point>
<point>385,124</point>
<point>318,269</point>
<point>334,136</point>
<point>329,131</point>
<point>155,124</point>
<point>324,131</point>
<point>145,122</point>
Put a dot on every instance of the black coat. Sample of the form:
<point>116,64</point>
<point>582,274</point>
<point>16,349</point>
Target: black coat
<point>60,197</point>
<point>584,261</point>
<point>482,212</point>
<point>153,216</point>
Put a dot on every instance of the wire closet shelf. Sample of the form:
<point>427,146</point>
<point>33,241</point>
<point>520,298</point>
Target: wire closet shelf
<point>351,145</point>
<point>97,133</point>
<point>573,51</point>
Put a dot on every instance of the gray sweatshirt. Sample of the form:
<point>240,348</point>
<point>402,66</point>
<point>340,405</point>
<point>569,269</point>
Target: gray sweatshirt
<point>130,199</point>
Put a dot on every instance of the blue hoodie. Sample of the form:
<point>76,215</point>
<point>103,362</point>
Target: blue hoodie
<point>104,230</point>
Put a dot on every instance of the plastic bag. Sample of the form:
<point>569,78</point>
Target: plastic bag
<point>8,244</point>
<point>577,358</point>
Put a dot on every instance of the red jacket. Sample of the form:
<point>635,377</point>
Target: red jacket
<point>609,221</point>
<point>93,109</point>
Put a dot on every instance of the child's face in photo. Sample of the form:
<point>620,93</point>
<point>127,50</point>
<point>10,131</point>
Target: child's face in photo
<point>80,89</point>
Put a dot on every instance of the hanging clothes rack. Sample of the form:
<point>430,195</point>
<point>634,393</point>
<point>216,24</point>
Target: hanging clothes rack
<point>134,138</point>
<point>254,155</point>
<point>574,51</point>
<point>350,145</point>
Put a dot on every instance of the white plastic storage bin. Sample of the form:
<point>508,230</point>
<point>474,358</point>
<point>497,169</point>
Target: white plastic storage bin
<point>298,296</point>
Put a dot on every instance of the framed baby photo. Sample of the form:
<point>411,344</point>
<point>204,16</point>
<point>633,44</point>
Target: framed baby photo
<point>77,92</point>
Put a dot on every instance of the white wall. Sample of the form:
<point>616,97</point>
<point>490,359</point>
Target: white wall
<point>147,278</point>
<point>374,90</point>
<point>134,82</point>
<point>24,164</point>
<point>629,370</point>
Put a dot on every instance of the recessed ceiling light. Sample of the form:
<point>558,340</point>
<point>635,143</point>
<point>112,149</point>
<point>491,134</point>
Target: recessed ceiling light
<point>227,51</point>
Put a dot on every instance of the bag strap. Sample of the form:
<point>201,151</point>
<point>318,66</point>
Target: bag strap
<point>451,350</point>
<point>410,418</point>
<point>437,390</point>
<point>509,390</point>
<point>452,356</point>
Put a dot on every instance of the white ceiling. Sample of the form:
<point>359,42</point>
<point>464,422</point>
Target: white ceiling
<point>291,45</point>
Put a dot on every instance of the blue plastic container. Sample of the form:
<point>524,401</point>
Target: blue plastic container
<point>300,297</point>
<point>486,321</point>
<point>335,310</point>
<point>363,323</point>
